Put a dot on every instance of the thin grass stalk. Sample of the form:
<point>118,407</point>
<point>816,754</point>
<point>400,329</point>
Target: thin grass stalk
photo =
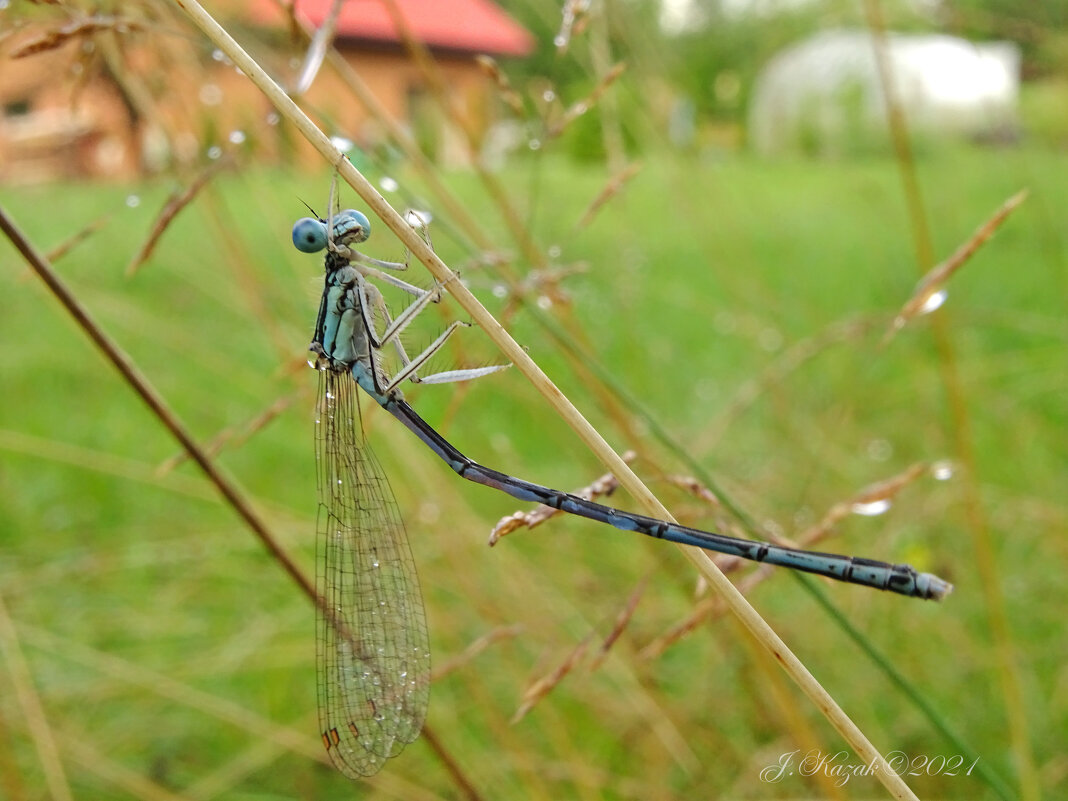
<point>222,710</point>
<point>20,681</point>
<point>611,126</point>
<point>107,769</point>
<point>556,399</point>
<point>960,431</point>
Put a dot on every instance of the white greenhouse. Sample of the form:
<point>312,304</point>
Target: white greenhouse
<point>823,96</point>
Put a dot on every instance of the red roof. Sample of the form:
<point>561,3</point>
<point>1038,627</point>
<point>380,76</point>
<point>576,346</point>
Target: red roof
<point>471,25</point>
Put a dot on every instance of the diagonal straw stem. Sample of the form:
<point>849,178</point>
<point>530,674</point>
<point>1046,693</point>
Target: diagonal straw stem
<point>511,349</point>
<point>139,382</point>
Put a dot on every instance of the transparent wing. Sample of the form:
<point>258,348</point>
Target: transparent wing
<point>373,650</point>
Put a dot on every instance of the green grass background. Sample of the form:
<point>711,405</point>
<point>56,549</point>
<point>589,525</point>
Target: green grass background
<point>164,642</point>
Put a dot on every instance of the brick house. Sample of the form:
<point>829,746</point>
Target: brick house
<point>108,106</point>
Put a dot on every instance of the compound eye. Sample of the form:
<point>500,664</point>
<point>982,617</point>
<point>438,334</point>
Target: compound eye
<point>352,226</point>
<point>309,235</point>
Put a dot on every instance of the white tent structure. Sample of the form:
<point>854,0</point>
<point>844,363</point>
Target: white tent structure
<point>824,95</point>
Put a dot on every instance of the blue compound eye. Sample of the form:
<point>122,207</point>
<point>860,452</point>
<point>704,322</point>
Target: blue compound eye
<point>351,226</point>
<point>309,235</point>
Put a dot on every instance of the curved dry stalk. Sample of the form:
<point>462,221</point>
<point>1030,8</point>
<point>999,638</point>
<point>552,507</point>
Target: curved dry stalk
<point>561,405</point>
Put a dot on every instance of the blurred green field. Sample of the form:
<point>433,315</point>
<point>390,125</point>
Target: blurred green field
<point>165,645</point>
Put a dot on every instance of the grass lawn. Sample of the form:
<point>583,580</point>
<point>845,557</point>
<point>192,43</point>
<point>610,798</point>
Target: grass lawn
<point>743,303</point>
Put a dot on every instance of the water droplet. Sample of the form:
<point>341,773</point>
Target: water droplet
<point>548,95</point>
<point>210,94</point>
<point>388,184</point>
<point>133,201</point>
<point>772,527</point>
<point>218,55</point>
<point>560,40</point>
<point>545,302</point>
<point>580,108</point>
<point>534,144</point>
<point>273,118</point>
<point>880,450</point>
<point>214,152</point>
<point>705,390</point>
<point>871,508</point>
<point>237,137</point>
<point>943,470</point>
<point>500,291</point>
<point>933,302</point>
<point>769,339</point>
<point>341,143</point>
<point>554,251</point>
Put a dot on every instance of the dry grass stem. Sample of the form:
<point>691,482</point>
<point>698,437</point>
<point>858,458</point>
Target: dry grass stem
<point>612,188</point>
<point>599,487</point>
<point>695,488</point>
<point>543,686</point>
<point>574,18</point>
<point>235,436</point>
<point>321,42</point>
<point>543,284</point>
<point>621,621</point>
<point>580,107</point>
<point>784,365</point>
<point>175,203</point>
<point>505,91</point>
<point>68,244</point>
<point>924,299</point>
<point>474,649</point>
<point>57,35</point>
<point>78,746</point>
